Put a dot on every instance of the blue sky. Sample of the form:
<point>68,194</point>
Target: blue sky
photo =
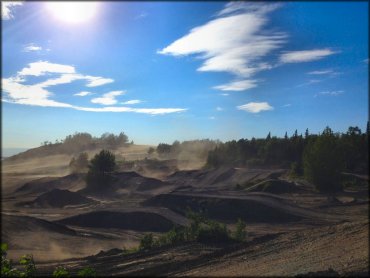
<point>161,71</point>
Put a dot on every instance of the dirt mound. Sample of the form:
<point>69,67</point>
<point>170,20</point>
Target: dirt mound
<point>12,224</point>
<point>222,177</point>
<point>48,183</point>
<point>274,186</point>
<point>226,209</point>
<point>137,220</point>
<point>58,198</point>
<point>138,182</point>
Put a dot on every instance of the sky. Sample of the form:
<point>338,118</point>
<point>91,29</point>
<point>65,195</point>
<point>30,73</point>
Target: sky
<point>166,71</point>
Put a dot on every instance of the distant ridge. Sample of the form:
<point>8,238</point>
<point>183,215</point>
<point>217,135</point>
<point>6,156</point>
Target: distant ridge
<point>7,152</point>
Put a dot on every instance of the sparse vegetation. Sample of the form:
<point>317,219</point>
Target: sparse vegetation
<point>61,272</point>
<point>29,267</point>
<point>201,229</point>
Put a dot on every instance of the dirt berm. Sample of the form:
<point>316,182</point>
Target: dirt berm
<point>136,220</point>
<point>58,198</point>
<point>253,208</point>
<point>42,185</point>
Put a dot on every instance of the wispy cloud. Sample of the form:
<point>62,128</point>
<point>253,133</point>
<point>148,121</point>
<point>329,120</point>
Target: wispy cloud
<point>287,105</point>
<point>219,108</point>
<point>142,15</point>
<point>238,85</point>
<point>225,94</point>
<point>94,81</point>
<point>32,47</point>
<point>255,107</point>
<point>236,42</point>
<point>16,90</point>
<point>330,93</point>
<point>305,55</point>
<point>321,72</point>
<point>7,9</point>
<point>133,101</point>
<point>83,94</point>
<point>366,61</point>
<point>212,118</point>
<point>108,98</point>
<point>151,111</point>
<point>309,82</point>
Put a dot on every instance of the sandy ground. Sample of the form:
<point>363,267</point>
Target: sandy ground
<point>289,232</point>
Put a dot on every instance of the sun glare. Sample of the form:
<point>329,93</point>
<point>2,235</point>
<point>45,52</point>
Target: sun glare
<point>73,12</point>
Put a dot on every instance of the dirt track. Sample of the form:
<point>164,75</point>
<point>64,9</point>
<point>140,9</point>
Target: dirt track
<point>341,247</point>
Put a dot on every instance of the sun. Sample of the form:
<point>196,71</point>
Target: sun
<point>73,12</point>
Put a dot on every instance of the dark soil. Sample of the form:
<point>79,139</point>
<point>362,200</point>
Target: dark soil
<point>138,221</point>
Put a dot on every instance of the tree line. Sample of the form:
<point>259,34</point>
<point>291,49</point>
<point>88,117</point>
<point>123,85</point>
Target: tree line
<point>321,158</point>
<point>80,141</point>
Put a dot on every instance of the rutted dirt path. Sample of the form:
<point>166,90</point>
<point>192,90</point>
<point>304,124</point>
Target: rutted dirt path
<point>342,247</point>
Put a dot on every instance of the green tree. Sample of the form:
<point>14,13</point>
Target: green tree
<point>322,162</point>
<point>101,168</point>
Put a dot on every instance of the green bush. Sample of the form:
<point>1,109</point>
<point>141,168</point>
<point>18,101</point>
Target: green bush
<point>240,232</point>
<point>60,272</point>
<point>29,266</point>
<point>146,242</point>
<point>87,272</point>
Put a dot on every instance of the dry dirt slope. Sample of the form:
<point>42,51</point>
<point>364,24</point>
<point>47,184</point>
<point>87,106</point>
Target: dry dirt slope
<point>342,247</point>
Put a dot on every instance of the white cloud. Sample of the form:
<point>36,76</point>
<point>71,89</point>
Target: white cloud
<point>330,93</point>
<point>32,47</point>
<point>219,108</point>
<point>108,98</point>
<point>305,55</point>
<point>151,111</point>
<point>237,85</point>
<point>366,61</point>
<point>224,94</point>
<point>15,90</point>
<point>212,118</point>
<point>255,107</point>
<point>43,67</point>
<point>321,72</point>
<point>235,42</point>
<point>83,93</point>
<point>287,105</point>
<point>94,81</point>
<point>134,101</point>
<point>7,9</point>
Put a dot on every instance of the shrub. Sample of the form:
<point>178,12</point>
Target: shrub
<point>29,266</point>
<point>60,272</point>
<point>240,232</point>
<point>175,235</point>
<point>213,232</point>
<point>87,272</point>
<point>146,242</point>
